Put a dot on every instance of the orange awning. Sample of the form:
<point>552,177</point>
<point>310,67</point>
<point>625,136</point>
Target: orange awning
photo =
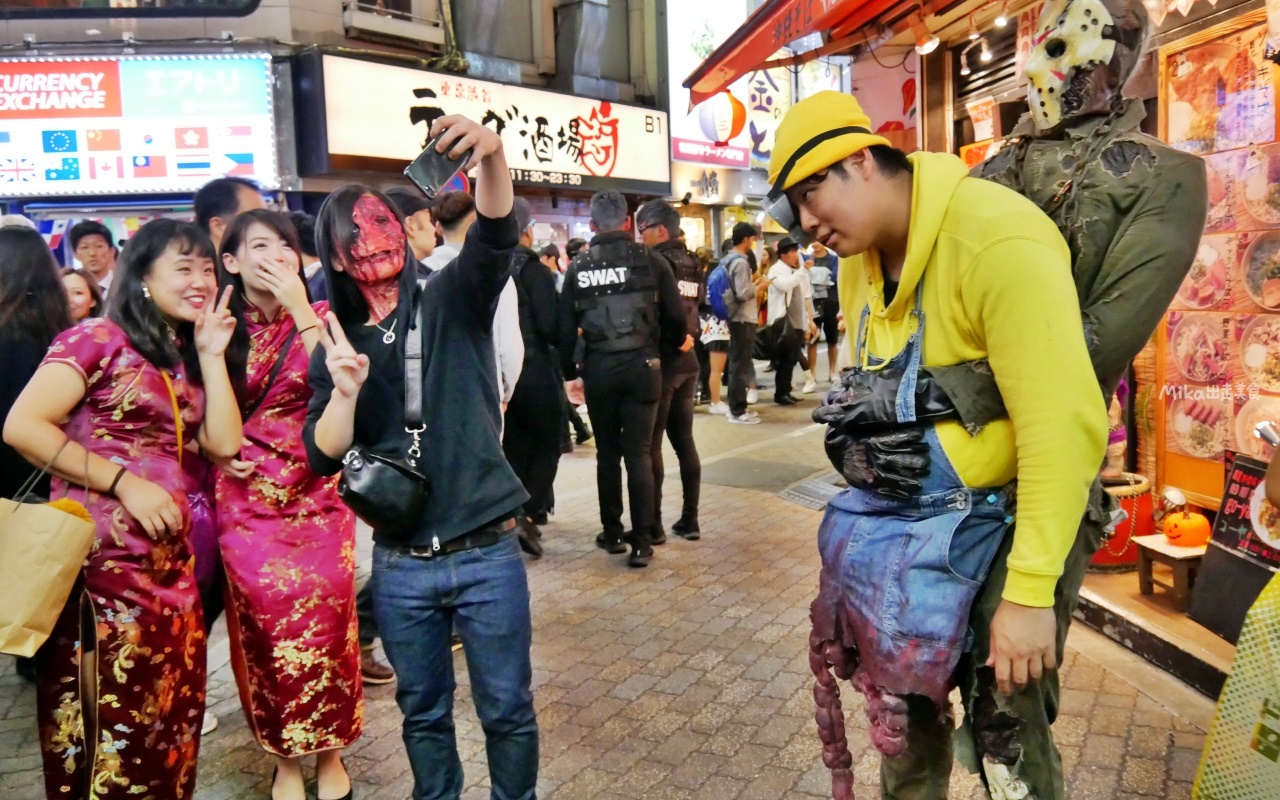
<point>773,26</point>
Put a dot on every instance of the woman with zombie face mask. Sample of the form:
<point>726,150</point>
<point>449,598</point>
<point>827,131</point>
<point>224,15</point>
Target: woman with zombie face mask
<point>460,565</point>
<point>287,541</point>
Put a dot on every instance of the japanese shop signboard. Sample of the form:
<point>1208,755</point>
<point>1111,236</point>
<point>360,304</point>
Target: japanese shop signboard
<point>134,124</point>
<point>377,116</point>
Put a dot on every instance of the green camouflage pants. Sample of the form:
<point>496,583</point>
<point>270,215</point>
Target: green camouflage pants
<point>1007,740</point>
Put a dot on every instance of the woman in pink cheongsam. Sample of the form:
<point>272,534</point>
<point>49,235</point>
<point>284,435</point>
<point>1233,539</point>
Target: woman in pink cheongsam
<point>122,677</point>
<point>287,541</point>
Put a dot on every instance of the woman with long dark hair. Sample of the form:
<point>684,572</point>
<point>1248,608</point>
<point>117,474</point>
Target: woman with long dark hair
<point>287,540</point>
<point>456,562</point>
<point>122,677</point>
<point>33,310</point>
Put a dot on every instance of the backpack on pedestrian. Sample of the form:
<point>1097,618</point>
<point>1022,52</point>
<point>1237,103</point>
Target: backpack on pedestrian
<point>720,295</point>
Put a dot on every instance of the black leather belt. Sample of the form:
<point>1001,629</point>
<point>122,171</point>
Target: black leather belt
<point>480,537</point>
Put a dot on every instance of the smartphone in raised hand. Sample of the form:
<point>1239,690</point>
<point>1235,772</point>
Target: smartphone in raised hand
<point>432,171</point>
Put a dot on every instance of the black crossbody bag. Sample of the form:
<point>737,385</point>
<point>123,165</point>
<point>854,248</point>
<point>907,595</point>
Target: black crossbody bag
<point>390,492</point>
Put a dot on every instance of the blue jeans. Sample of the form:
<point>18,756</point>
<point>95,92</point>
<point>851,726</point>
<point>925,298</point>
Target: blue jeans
<point>484,594</point>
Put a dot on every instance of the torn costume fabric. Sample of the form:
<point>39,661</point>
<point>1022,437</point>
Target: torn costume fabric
<point>1131,210</point>
<point>903,567</point>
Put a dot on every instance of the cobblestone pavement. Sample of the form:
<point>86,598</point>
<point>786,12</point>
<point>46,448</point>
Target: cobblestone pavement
<point>689,679</point>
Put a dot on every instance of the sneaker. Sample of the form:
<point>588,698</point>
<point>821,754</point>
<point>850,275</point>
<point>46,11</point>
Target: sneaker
<point>612,546</point>
<point>687,530</point>
<point>374,671</point>
<point>455,642</point>
<point>810,386</point>
<point>209,725</point>
<point>744,419</point>
<point>641,552</point>
<point>718,408</point>
<point>753,397</point>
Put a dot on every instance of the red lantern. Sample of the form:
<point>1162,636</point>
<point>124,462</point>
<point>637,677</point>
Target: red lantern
<point>722,117</point>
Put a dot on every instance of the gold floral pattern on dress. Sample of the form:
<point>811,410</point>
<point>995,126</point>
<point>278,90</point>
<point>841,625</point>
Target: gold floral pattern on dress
<point>146,636</point>
<point>288,544</point>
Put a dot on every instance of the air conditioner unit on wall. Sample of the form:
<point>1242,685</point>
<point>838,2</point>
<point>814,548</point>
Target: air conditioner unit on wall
<point>371,22</point>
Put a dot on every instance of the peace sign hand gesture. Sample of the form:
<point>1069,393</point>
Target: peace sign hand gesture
<point>347,368</point>
<point>214,327</point>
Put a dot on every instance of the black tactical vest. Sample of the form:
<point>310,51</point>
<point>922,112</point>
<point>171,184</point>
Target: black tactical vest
<point>616,297</point>
<point>691,281</point>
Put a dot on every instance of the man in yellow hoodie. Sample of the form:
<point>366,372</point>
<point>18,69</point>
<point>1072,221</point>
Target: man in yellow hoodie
<point>940,269</point>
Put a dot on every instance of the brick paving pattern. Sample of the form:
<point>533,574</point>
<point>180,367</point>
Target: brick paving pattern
<point>688,679</point>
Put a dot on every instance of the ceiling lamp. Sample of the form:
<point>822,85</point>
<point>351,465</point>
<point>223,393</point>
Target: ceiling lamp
<point>964,64</point>
<point>973,29</point>
<point>926,42</point>
<point>1002,19</point>
<point>985,55</point>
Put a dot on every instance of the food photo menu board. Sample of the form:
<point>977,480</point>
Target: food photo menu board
<point>1220,347</point>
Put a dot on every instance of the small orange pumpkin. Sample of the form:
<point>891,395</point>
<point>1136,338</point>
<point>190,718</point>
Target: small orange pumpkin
<point>1187,529</point>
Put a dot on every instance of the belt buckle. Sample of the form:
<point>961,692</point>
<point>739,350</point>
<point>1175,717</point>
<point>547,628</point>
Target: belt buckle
<point>420,552</point>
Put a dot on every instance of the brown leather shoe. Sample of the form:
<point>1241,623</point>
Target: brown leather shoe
<point>374,671</point>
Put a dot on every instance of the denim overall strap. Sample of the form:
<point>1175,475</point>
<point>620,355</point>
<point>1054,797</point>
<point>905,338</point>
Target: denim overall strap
<point>906,405</point>
<point>860,348</point>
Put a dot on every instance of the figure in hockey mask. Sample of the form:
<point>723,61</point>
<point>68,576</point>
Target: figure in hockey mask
<point>1132,211</point>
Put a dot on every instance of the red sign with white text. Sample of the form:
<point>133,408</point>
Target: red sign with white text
<point>46,90</point>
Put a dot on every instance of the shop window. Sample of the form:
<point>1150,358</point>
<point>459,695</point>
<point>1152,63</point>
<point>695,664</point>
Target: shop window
<point>25,9</point>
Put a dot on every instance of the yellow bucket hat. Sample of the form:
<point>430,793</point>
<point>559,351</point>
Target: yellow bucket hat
<point>816,133</point>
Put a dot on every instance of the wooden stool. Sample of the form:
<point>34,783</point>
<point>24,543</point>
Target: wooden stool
<point>1184,561</point>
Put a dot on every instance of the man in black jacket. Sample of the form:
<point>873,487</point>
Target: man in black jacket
<point>533,420</point>
<point>459,566</point>
<point>623,298</point>
<point>659,226</point>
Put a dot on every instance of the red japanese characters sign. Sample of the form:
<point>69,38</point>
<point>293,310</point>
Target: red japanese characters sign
<point>551,139</point>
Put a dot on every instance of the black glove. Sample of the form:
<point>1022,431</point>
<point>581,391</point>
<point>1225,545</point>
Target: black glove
<point>891,464</point>
<point>865,403</point>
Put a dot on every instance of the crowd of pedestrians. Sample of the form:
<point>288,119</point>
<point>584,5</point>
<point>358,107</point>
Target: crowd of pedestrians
<point>201,390</point>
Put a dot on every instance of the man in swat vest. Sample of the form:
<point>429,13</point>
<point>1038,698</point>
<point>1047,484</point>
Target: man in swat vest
<point>659,227</point>
<point>622,299</point>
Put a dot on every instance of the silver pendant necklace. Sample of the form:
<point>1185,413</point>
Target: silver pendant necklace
<point>388,334</point>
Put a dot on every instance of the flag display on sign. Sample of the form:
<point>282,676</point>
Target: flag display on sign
<point>106,168</point>
<point>65,169</point>
<point>52,230</point>
<point>191,138</point>
<point>17,170</point>
<point>191,166</point>
<point>238,164</point>
<point>59,141</point>
<point>4,137</point>
<point>149,167</point>
<point>102,140</point>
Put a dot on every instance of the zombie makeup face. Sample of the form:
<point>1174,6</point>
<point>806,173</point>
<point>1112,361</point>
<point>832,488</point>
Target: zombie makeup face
<point>1082,54</point>
<point>378,252</point>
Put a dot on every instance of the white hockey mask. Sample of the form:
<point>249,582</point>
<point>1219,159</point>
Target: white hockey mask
<point>1073,37</point>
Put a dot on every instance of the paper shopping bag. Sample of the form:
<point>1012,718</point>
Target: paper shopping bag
<point>42,550</point>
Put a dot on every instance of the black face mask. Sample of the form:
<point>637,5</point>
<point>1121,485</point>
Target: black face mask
<point>778,206</point>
